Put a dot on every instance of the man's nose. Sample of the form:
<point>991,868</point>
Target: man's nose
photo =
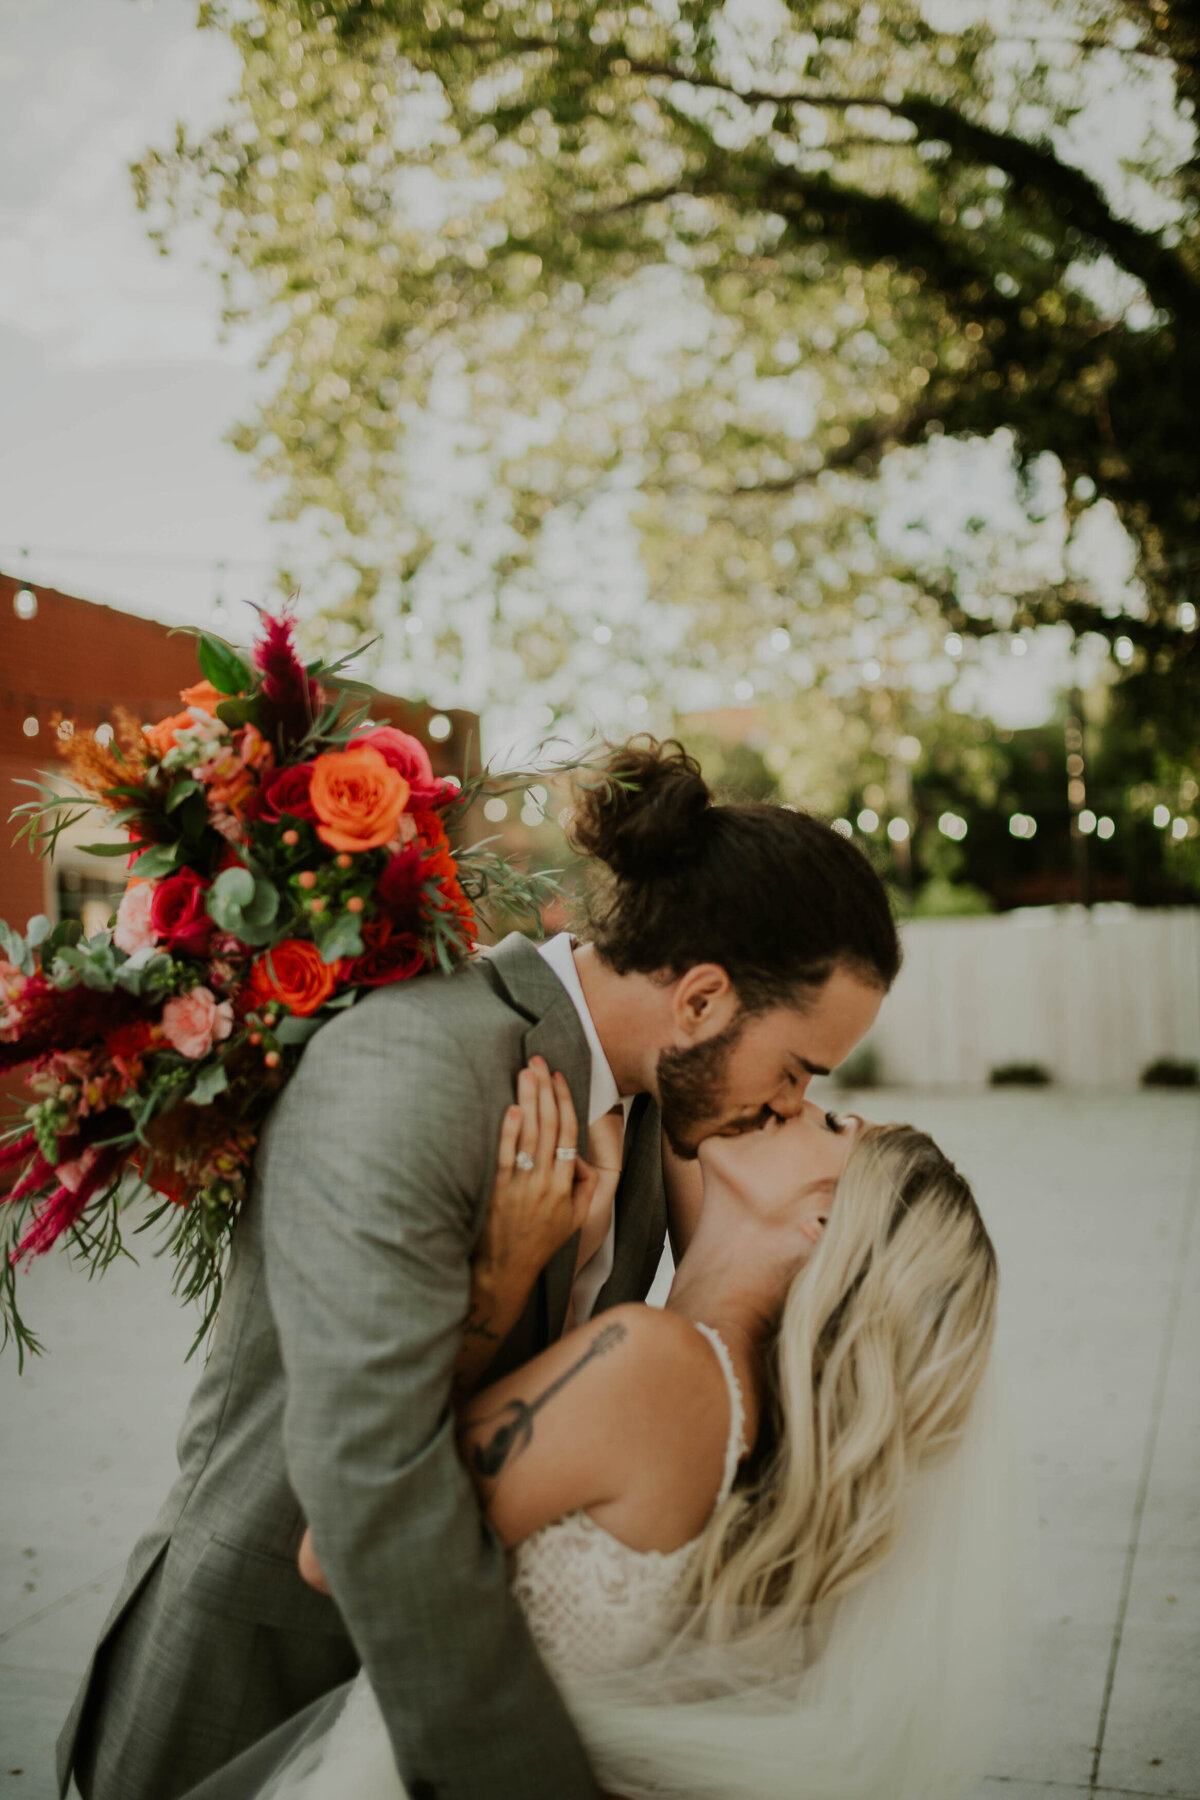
<point>789,1101</point>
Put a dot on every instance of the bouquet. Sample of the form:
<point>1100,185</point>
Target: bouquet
<point>285,857</point>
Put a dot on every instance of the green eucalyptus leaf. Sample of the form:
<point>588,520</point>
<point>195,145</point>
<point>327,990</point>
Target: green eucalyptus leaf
<point>159,860</point>
<point>106,849</point>
<point>210,1082</point>
<point>145,971</point>
<point>16,950</point>
<point>38,930</point>
<point>65,935</point>
<point>344,938</point>
<point>291,1031</point>
<point>95,967</point>
<point>221,664</point>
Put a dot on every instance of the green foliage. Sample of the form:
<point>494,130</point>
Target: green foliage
<point>245,904</point>
<point>1019,1074</point>
<point>942,899</point>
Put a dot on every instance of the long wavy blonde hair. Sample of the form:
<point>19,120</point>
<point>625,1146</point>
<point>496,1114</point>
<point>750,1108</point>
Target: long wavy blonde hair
<point>882,1342</point>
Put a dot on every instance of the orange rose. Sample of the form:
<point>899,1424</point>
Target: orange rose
<point>293,974</point>
<point>204,695</point>
<point>161,737</point>
<point>358,798</point>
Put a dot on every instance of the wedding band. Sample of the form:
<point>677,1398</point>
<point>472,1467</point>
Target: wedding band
<point>566,1153</point>
<point>524,1161</point>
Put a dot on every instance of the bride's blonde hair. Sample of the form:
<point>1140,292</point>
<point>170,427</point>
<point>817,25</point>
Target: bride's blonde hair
<point>883,1340</point>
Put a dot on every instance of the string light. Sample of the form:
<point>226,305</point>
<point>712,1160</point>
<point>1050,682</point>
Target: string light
<point>898,830</point>
<point>1022,825</point>
<point>1162,817</point>
<point>951,825</point>
<point>1104,828</point>
<point>1179,829</point>
<point>868,819</point>
<point>1087,821</point>
<point>25,603</point>
<point>439,728</point>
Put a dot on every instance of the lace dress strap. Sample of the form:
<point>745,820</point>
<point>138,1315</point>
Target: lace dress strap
<point>736,1447</point>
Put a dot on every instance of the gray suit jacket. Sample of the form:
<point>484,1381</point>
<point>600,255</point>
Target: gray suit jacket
<point>325,1398</point>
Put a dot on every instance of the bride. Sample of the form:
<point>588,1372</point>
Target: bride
<point>757,1534</point>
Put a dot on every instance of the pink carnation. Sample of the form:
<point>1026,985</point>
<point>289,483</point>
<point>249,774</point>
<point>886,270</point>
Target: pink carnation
<point>192,1023</point>
<point>135,928</point>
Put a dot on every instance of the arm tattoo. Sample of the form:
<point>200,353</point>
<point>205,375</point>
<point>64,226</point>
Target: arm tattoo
<point>478,1324</point>
<point>515,1427</point>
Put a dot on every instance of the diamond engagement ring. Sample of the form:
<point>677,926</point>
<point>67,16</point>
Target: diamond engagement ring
<point>524,1161</point>
<point>566,1153</point>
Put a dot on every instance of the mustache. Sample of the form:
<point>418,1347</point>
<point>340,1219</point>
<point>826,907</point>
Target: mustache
<point>743,1127</point>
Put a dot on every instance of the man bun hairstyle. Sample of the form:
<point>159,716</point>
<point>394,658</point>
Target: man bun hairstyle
<point>774,896</point>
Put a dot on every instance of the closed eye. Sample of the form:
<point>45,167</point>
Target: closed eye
<point>834,1123</point>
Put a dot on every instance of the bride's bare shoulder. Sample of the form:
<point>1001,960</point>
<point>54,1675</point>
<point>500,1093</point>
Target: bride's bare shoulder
<point>670,1405</point>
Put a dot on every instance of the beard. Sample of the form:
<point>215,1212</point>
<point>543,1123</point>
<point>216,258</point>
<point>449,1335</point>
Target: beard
<point>692,1085</point>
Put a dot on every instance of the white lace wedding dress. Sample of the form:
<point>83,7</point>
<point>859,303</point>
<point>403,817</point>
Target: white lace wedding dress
<point>895,1695</point>
<point>594,1606</point>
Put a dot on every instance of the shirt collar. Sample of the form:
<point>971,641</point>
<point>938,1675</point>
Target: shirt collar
<point>603,1094</point>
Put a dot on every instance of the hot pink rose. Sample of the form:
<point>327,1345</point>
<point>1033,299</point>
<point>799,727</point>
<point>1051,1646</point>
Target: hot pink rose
<point>179,913</point>
<point>409,757</point>
<point>192,1023</point>
<point>135,925</point>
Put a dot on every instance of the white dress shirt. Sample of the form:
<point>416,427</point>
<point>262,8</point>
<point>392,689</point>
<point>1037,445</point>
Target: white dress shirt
<point>559,953</point>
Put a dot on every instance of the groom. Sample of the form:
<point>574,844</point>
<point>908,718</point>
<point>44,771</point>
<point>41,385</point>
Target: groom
<point>738,950</point>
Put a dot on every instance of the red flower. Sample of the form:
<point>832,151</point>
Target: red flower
<point>291,697</point>
<point>399,890</point>
<point>179,914</point>
<point>387,956</point>
<point>294,974</point>
<point>284,791</point>
<point>409,757</point>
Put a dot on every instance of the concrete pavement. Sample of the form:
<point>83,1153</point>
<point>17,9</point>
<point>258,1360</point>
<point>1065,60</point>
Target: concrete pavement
<point>1093,1203</point>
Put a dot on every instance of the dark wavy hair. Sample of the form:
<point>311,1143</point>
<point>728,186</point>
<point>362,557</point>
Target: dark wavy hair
<point>774,896</point>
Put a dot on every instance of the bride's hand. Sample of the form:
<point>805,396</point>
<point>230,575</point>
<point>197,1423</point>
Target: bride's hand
<point>543,1187</point>
<point>539,1199</point>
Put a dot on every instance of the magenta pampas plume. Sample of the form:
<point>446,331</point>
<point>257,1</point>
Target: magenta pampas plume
<point>293,698</point>
<point>62,1210</point>
<point>33,1180</point>
<point>18,1150</point>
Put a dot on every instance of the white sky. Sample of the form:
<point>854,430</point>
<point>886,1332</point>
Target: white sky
<point>117,391</point>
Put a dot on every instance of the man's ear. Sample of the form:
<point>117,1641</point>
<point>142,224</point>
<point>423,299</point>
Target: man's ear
<point>703,1001</point>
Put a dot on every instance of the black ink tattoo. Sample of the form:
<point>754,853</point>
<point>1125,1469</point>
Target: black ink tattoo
<point>477,1324</point>
<point>514,1432</point>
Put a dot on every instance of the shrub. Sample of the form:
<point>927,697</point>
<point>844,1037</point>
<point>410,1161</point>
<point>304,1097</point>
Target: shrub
<point>1171,1072</point>
<point>1019,1074</point>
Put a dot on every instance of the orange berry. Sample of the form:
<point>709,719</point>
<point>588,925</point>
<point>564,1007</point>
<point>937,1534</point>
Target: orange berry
<point>256,1037</point>
<point>272,1059</point>
<point>343,859</point>
<point>291,838</point>
<point>317,905</point>
<point>355,903</point>
<point>307,878</point>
